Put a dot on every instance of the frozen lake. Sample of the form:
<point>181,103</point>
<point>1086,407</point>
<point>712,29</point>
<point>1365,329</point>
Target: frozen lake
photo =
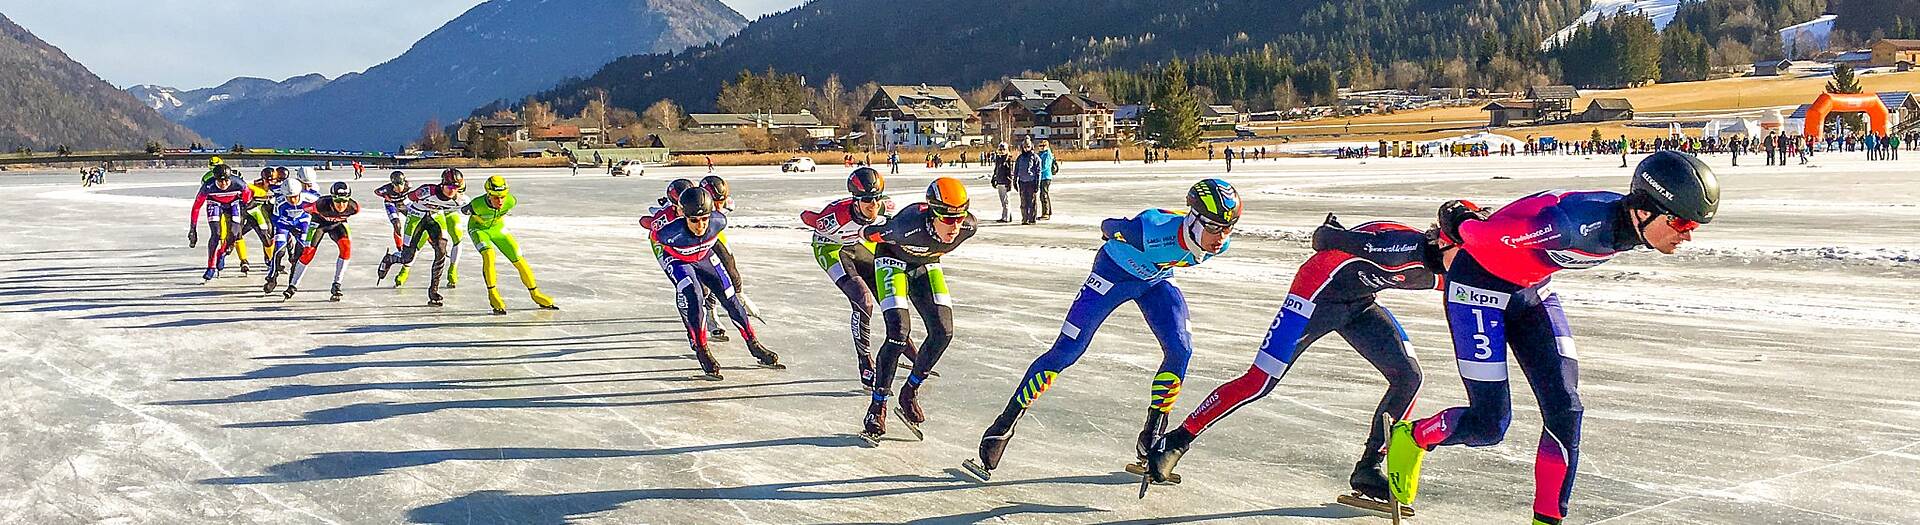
<point>1766,374</point>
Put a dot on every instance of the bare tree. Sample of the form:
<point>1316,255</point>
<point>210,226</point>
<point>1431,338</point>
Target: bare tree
<point>662,115</point>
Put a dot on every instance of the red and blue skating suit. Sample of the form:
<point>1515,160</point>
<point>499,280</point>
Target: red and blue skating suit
<point>1334,292</point>
<point>223,209</point>
<point>695,269</point>
<point>1497,299</point>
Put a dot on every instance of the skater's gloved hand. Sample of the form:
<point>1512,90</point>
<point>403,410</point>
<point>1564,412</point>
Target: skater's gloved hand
<point>193,237</point>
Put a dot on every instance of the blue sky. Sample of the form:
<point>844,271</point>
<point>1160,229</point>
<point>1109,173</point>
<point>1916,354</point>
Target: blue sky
<point>200,43</point>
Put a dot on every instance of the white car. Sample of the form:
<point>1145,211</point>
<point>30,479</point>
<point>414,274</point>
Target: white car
<point>629,168</point>
<point>799,164</point>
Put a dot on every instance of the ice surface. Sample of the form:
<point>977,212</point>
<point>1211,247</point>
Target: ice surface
<point>1766,375</point>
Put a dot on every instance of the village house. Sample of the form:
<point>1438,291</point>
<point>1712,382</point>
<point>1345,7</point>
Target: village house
<point>1888,52</point>
<point>804,120</point>
<point>918,116</point>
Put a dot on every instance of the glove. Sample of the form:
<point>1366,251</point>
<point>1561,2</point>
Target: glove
<point>1456,212</point>
<point>193,237</point>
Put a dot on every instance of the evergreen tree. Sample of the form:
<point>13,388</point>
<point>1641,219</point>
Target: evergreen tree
<point>1845,82</point>
<point>1174,121</point>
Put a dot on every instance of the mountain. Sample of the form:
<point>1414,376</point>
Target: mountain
<point>179,105</point>
<point>500,49</point>
<point>1660,11</point>
<point>48,100</point>
<point>963,43</point>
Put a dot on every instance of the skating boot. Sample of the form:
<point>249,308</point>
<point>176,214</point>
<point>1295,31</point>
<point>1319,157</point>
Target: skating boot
<point>1156,425</point>
<point>336,293</point>
<point>208,277</point>
<point>1370,488</point>
<point>993,443</point>
<point>380,270</point>
<point>909,409</point>
<point>453,277</point>
<point>767,358</point>
<point>718,335</point>
<point>875,425</point>
<point>288,293</point>
<point>493,299</point>
<point>1163,456</point>
<point>541,300</point>
<point>245,267</point>
<point>1404,456</point>
<point>400,278</point>
<point>272,282</point>
<point>710,369</point>
<point>434,299</point>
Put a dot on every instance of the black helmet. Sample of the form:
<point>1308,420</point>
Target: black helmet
<point>1214,202</point>
<point>340,190</point>
<point>866,183</point>
<point>221,171</point>
<point>452,176</point>
<point>266,173</point>
<point>695,202</point>
<point>678,186</point>
<point>397,178</point>
<point>1678,184</point>
<point>716,186</point>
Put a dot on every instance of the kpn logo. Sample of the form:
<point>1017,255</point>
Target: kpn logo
<point>1469,295</point>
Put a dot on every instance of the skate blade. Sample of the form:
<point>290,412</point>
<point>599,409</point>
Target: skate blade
<point>978,472</point>
<point>774,366</point>
<point>1358,501</point>
<point>872,440</point>
<point>911,426</point>
<point>1140,469</point>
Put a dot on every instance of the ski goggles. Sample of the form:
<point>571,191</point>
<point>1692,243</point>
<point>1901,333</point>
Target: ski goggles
<point>869,198</point>
<point>1680,225</point>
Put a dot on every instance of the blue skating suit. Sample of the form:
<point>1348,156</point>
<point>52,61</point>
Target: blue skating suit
<point>1134,264</point>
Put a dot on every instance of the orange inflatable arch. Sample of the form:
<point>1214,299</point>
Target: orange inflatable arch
<point>1868,103</point>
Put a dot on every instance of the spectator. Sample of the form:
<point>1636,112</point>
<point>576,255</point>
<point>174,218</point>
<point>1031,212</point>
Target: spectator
<point>1229,158</point>
<point>1047,166</point>
<point>1026,174</point>
<point>893,162</point>
<point>1003,179</point>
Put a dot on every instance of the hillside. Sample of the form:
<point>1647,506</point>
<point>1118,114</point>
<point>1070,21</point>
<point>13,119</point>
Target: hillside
<point>179,105</point>
<point>964,43</point>
<point>498,49</point>
<point>48,100</point>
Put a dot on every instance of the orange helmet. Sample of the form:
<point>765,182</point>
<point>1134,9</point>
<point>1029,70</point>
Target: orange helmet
<point>947,197</point>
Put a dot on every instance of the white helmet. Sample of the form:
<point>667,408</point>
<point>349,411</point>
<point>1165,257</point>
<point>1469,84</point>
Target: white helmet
<point>304,175</point>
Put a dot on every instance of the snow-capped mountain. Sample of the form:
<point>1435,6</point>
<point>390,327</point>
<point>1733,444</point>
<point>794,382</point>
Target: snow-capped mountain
<point>1661,11</point>
<point>179,106</point>
<point>499,49</point>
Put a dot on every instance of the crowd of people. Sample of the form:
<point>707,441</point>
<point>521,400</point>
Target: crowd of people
<point>1494,266</point>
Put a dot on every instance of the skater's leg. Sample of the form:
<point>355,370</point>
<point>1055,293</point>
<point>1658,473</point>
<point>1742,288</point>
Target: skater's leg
<point>1378,337</point>
<point>1476,305</point>
<point>720,284</point>
<point>343,241</point>
<point>688,297</point>
<point>1165,310</point>
<point>489,275</point>
<point>1299,324</point>
<point>1543,347</point>
<point>1102,292</point>
<point>1098,297</point>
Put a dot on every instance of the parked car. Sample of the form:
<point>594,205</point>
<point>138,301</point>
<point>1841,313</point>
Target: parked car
<point>629,168</point>
<point>799,164</point>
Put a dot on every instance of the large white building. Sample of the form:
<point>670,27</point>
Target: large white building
<point>918,116</point>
